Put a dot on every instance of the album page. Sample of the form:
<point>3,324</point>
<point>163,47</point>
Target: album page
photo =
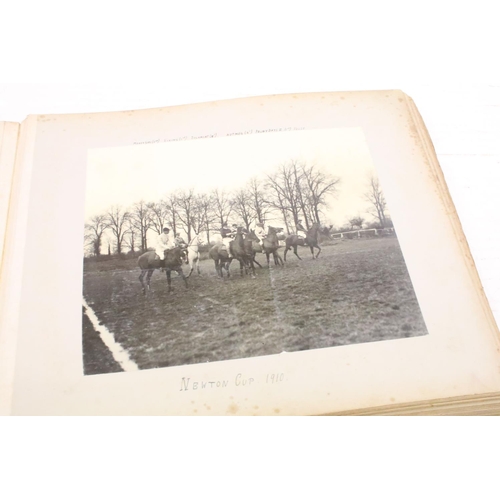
<point>277,255</point>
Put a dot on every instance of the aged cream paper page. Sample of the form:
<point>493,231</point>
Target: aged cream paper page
<point>8,144</point>
<point>457,356</point>
<point>17,177</point>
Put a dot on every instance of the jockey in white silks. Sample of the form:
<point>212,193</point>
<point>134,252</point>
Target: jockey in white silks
<point>301,231</point>
<point>260,231</point>
<point>164,241</point>
<point>228,236</point>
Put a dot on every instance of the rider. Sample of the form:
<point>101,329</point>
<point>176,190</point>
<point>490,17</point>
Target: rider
<point>260,230</point>
<point>179,241</point>
<point>301,231</point>
<point>164,241</point>
<point>228,236</point>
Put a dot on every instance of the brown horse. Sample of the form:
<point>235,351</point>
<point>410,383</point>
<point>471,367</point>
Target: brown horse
<point>242,250</point>
<point>221,259</point>
<point>253,246</point>
<point>149,261</point>
<point>311,240</point>
<point>270,245</point>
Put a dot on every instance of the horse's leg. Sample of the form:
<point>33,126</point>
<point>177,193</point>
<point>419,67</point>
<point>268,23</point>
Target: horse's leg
<point>241,268</point>
<point>286,250</point>
<point>141,279</point>
<point>190,261</point>
<point>255,260</point>
<point>295,252</point>
<point>198,265</point>
<point>280,260</point>
<point>267,257</point>
<point>180,272</point>
<point>217,270</point>
<point>252,267</point>
<point>148,278</point>
<point>319,250</point>
<point>169,280</point>
<point>277,259</point>
<point>312,250</point>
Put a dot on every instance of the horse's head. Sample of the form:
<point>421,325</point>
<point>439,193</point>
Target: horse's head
<point>175,257</point>
<point>252,236</point>
<point>196,240</point>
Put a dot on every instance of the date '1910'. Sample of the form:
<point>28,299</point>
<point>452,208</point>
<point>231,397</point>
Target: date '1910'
<point>274,378</point>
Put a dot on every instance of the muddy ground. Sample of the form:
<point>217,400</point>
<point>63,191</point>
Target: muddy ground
<point>356,291</point>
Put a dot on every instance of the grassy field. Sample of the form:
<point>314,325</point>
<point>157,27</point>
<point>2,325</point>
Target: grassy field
<point>357,291</point>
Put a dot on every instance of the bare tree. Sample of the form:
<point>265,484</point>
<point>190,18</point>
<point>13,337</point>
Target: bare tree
<point>185,206</point>
<point>296,171</point>
<point>282,195</point>
<point>170,203</point>
<point>203,215</point>
<point>140,221</point>
<point>131,234</point>
<point>117,218</point>
<point>159,215</point>
<point>221,206</point>
<point>298,191</point>
<point>94,230</point>
<point>317,186</point>
<point>376,198</point>
<point>243,207</point>
<point>257,192</point>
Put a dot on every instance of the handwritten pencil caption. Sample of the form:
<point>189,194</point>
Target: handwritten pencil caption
<point>213,136</point>
<point>240,380</point>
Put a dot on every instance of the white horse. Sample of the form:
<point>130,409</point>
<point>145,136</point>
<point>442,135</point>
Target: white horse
<point>193,254</point>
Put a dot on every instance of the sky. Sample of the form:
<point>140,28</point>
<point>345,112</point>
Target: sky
<point>125,175</point>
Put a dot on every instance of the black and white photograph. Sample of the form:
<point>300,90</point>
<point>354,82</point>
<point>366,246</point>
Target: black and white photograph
<point>206,249</point>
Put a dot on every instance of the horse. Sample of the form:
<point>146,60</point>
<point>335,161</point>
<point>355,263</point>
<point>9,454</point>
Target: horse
<point>149,261</point>
<point>253,246</point>
<point>193,254</point>
<point>243,251</point>
<point>270,245</point>
<point>221,259</point>
<point>179,242</point>
<point>311,240</point>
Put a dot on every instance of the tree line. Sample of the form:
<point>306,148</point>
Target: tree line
<point>294,191</point>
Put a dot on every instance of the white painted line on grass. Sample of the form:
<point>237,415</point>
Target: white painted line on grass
<point>119,354</point>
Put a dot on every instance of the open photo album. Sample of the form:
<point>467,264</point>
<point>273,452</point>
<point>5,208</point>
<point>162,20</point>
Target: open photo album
<point>278,255</point>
